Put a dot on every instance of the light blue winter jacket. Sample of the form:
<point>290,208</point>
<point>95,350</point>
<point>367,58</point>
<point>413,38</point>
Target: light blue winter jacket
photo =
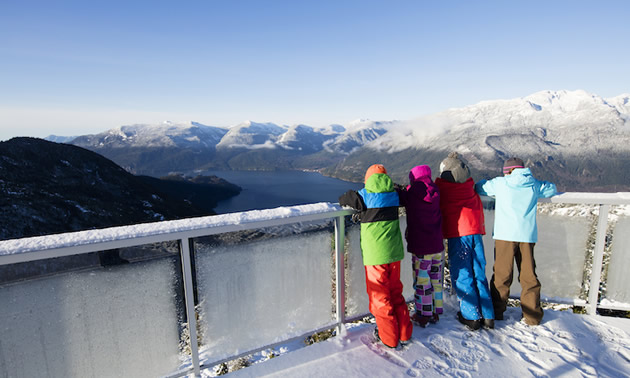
<point>516,202</point>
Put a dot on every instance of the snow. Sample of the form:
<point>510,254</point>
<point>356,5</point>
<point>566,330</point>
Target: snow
<point>565,344</point>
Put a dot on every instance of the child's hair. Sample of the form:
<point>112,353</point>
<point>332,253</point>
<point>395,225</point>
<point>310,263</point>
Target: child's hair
<point>512,164</point>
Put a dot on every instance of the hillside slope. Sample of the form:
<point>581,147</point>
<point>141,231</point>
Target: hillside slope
<point>48,187</point>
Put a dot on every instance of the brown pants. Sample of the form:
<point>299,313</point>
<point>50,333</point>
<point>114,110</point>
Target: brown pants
<point>505,252</point>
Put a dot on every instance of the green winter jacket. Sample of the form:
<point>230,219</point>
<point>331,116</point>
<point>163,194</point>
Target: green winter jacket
<point>381,239</point>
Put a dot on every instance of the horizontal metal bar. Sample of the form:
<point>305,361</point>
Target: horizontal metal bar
<point>619,198</point>
<point>584,198</point>
<point>566,301</point>
<point>43,247</point>
<point>614,305</point>
<point>558,300</point>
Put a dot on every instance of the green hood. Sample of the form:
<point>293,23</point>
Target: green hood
<point>379,183</point>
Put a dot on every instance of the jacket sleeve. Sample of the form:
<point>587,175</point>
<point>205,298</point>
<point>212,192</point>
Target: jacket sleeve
<point>485,188</point>
<point>402,194</point>
<point>352,199</point>
<point>547,189</point>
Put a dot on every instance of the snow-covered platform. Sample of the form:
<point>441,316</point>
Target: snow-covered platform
<point>565,344</point>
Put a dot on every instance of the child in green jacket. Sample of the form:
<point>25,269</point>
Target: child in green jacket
<point>382,249</point>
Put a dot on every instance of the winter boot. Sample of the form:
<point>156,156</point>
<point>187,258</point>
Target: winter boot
<point>421,320</point>
<point>488,323</point>
<point>472,325</point>
<point>378,338</point>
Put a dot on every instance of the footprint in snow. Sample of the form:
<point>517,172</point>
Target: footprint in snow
<point>581,365</point>
<point>457,358</point>
<point>457,373</point>
<point>498,351</point>
<point>413,373</point>
<point>538,373</point>
<point>563,334</point>
<point>529,358</point>
<point>568,345</point>
<point>543,331</point>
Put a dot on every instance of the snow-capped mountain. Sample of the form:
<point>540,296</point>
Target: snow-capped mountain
<point>567,133</point>
<point>252,135</point>
<point>167,134</point>
<point>306,138</point>
<point>539,126</point>
<point>359,133</point>
<point>247,135</point>
<point>571,136</point>
<point>558,118</point>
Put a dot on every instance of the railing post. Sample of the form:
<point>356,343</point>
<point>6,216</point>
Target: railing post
<point>598,259</point>
<point>340,277</point>
<point>189,297</point>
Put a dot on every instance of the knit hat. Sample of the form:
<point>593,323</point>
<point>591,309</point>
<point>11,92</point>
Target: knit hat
<point>454,169</point>
<point>512,163</point>
<point>419,172</point>
<point>376,168</point>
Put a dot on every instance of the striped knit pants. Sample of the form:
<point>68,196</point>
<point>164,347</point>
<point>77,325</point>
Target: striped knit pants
<point>427,284</point>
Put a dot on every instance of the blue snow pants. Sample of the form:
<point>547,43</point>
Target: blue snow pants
<point>468,276</point>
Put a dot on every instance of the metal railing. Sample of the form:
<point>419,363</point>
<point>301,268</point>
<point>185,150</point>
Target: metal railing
<point>44,247</point>
<point>51,246</point>
<point>603,201</point>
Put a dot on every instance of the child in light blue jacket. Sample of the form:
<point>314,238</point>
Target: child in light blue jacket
<point>515,234</point>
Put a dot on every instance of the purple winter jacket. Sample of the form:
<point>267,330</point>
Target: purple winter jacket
<point>424,220</point>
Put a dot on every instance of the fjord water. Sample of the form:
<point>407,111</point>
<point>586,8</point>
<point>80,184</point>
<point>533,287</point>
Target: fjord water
<point>270,189</point>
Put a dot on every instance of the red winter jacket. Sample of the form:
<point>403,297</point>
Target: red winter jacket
<point>462,210</point>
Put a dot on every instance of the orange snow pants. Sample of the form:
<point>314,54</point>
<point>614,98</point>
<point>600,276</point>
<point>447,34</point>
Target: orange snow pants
<point>387,303</point>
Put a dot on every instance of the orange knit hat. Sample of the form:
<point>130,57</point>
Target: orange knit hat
<point>376,168</point>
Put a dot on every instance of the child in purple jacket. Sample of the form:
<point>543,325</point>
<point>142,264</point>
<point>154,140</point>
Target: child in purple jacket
<point>421,200</point>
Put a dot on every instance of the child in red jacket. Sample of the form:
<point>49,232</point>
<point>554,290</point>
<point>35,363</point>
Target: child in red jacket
<point>463,227</point>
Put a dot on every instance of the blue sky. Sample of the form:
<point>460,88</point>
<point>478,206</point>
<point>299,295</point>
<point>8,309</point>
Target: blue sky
<point>71,68</point>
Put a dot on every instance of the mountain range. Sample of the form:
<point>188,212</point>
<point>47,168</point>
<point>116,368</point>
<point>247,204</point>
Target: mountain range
<point>577,139</point>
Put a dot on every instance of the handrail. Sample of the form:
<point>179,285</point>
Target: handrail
<point>43,247</point>
<point>587,198</point>
<point>20,250</point>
